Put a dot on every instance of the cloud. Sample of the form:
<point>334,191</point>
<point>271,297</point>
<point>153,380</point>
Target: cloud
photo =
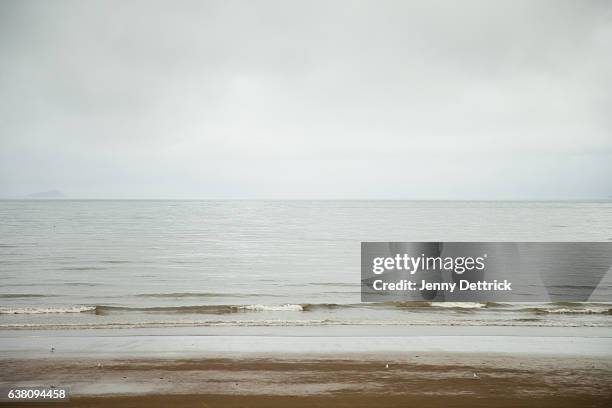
<point>306,99</point>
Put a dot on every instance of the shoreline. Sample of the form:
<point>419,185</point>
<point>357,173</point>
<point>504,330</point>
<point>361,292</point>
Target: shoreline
<point>176,344</point>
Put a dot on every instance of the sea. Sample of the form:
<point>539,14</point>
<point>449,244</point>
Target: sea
<point>288,265</point>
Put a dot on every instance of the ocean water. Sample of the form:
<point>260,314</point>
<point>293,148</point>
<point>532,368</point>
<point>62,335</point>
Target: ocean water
<point>70,264</point>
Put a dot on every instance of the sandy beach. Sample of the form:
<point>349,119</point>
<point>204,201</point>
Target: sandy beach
<point>358,381</point>
<point>348,366</point>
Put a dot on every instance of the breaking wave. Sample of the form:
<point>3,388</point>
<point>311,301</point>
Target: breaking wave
<point>177,295</point>
<point>280,308</point>
<point>43,310</point>
<point>446,305</point>
<point>415,306</point>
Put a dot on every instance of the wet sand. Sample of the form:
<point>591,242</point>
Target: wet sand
<point>425,380</point>
<point>341,401</point>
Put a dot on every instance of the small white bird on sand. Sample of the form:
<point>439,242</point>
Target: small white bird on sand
<point>476,375</point>
<point>99,365</point>
<point>387,365</point>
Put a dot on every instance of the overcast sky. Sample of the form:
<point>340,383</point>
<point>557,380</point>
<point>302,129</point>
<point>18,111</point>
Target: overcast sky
<point>308,99</point>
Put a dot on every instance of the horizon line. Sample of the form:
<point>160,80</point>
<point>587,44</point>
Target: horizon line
<point>593,199</point>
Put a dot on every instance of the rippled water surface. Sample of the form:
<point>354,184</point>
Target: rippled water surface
<point>196,263</point>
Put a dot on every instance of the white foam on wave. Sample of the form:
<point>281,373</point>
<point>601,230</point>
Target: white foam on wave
<point>274,308</point>
<point>459,305</point>
<point>44,310</point>
<point>565,310</point>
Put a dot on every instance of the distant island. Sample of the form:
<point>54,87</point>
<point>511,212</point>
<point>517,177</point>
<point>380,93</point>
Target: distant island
<point>47,194</point>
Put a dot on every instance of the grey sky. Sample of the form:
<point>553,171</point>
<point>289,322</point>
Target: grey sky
<point>309,99</point>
